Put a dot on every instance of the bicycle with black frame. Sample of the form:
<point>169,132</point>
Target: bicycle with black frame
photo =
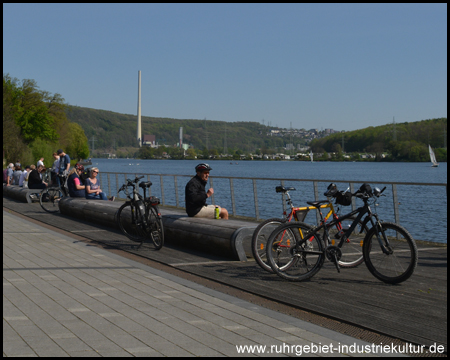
<point>351,254</point>
<point>295,251</point>
<point>139,217</point>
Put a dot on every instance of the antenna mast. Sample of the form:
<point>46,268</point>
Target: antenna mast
<point>139,135</point>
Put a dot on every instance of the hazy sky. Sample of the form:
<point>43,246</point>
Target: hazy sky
<point>340,66</point>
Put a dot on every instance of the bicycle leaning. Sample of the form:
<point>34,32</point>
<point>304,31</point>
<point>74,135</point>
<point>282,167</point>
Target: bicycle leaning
<point>139,217</point>
<point>352,256</point>
<point>295,251</point>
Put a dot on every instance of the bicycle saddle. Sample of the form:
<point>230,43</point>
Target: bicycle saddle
<point>283,189</point>
<point>317,203</point>
<point>145,184</point>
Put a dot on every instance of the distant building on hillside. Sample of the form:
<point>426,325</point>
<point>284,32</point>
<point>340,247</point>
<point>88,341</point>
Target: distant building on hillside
<point>149,140</point>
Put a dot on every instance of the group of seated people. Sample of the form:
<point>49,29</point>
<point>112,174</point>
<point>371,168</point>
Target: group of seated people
<point>32,177</point>
<point>16,176</point>
<point>89,188</point>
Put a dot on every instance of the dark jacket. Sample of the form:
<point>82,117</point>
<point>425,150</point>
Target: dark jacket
<point>73,191</point>
<point>195,195</point>
<point>34,179</point>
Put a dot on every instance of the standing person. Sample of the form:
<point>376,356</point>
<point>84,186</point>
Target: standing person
<point>195,196</point>
<point>7,174</point>
<point>16,174</point>
<point>25,181</point>
<point>92,189</point>
<point>64,162</point>
<point>40,162</point>
<point>55,168</point>
<point>64,165</point>
<point>34,179</point>
<point>24,175</point>
<point>75,183</point>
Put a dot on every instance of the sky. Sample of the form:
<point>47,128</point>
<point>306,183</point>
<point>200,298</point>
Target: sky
<point>321,66</point>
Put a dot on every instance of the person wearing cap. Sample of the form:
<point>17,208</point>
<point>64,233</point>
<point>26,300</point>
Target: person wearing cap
<point>196,195</point>
<point>75,183</point>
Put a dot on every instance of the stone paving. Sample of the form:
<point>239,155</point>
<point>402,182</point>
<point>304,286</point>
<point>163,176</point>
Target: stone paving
<point>62,297</point>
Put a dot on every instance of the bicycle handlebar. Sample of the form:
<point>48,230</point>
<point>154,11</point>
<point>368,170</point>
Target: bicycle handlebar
<point>130,183</point>
<point>135,181</point>
<point>363,195</point>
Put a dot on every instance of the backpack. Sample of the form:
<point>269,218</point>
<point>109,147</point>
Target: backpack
<point>366,189</point>
<point>344,199</point>
<point>5,175</point>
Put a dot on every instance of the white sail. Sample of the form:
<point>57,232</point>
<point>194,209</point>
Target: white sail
<point>311,155</point>
<point>432,157</point>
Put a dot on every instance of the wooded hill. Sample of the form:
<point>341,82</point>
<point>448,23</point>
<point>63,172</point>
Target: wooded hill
<point>400,141</point>
<point>109,127</point>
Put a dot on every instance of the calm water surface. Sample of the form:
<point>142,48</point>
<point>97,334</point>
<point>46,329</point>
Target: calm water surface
<point>423,209</point>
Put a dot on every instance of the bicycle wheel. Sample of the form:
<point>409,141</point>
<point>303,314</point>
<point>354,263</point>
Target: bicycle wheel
<point>352,254</point>
<point>154,228</point>
<point>49,199</point>
<point>401,258</point>
<point>126,217</point>
<point>259,241</point>
<point>291,255</point>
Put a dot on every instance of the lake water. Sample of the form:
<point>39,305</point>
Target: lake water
<point>422,209</point>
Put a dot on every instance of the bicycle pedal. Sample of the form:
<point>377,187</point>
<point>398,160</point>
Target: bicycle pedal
<point>335,260</point>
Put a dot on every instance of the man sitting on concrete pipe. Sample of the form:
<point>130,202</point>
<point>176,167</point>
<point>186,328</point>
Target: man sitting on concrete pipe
<point>195,196</point>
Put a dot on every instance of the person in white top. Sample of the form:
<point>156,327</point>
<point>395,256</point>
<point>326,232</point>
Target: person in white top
<point>24,175</point>
<point>40,162</point>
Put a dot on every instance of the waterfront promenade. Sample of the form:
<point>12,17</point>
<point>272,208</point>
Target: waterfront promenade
<point>415,311</point>
<point>64,297</point>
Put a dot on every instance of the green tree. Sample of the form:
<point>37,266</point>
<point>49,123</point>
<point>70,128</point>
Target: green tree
<point>376,148</point>
<point>214,152</point>
<point>160,150</point>
<point>41,148</point>
<point>205,153</point>
<point>31,113</point>
<point>13,145</point>
<point>145,153</point>
<point>175,153</point>
<point>77,143</point>
<point>190,154</point>
<point>35,124</point>
<point>418,153</point>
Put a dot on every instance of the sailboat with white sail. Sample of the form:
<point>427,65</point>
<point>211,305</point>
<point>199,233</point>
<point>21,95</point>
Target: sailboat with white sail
<point>311,156</point>
<point>434,163</point>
